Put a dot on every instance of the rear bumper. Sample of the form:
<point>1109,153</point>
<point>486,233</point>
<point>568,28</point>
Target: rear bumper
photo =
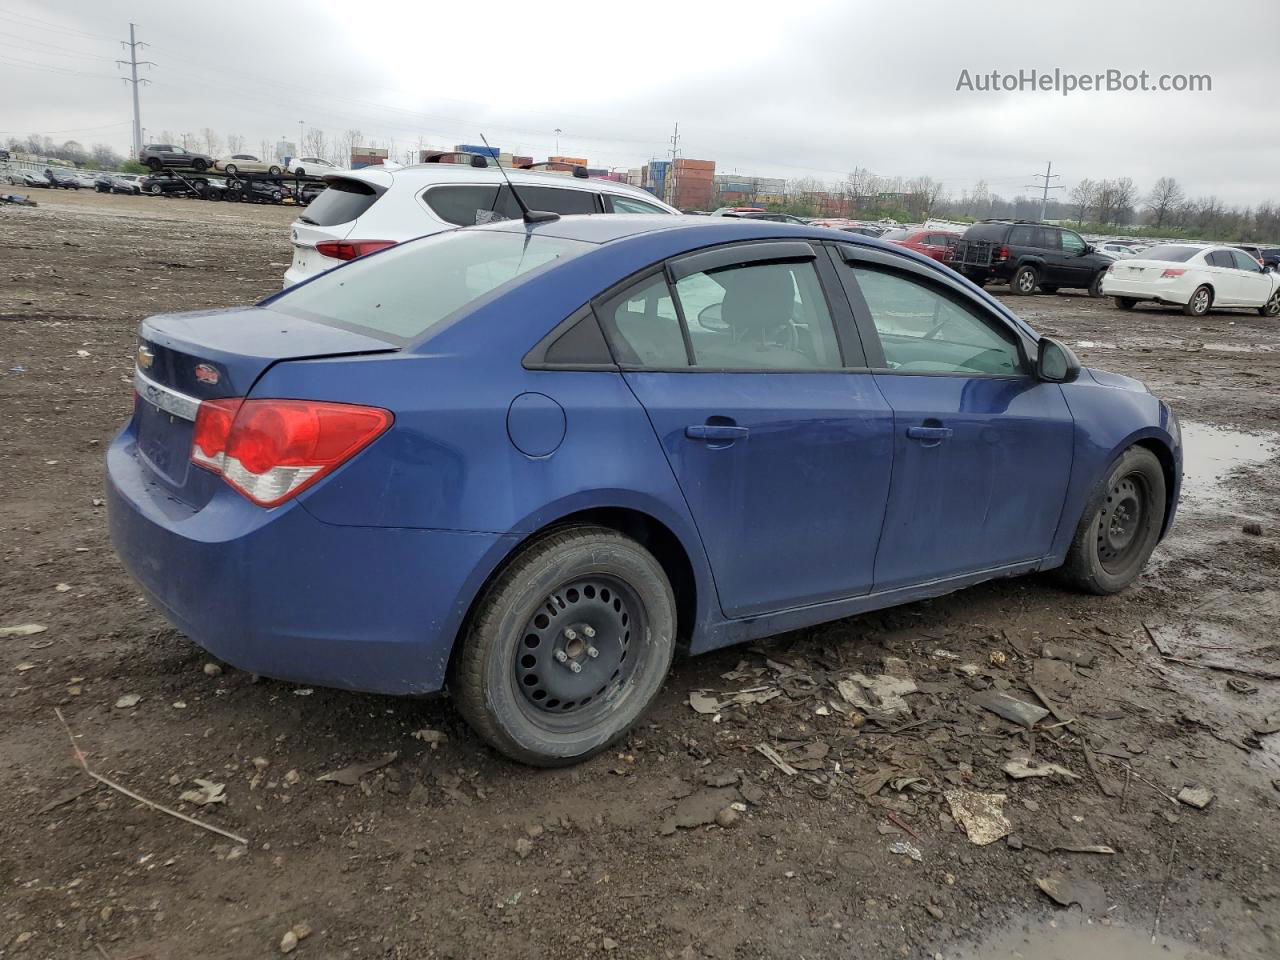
<point>282,594</point>
<point>1168,290</point>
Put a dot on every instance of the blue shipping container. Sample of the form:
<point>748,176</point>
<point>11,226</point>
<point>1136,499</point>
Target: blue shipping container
<point>482,150</point>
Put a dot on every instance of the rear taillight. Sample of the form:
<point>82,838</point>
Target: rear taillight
<point>1174,272</point>
<point>1002,253</point>
<point>350,249</point>
<point>271,450</point>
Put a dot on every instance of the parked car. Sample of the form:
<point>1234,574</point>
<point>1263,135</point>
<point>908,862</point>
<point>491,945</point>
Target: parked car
<point>938,244</point>
<point>309,192</point>
<point>174,186</point>
<point>160,155</point>
<point>761,215</point>
<point>1195,277</point>
<point>254,191</point>
<point>61,179</point>
<point>371,209</point>
<point>532,459</point>
<point>311,166</point>
<point>110,183</point>
<point>1117,249</point>
<point>246,163</point>
<point>1027,255</point>
<point>1271,257</point>
<point>1253,250</point>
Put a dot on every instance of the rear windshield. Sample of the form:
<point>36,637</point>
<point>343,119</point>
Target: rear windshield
<point>1170,251</point>
<point>341,203</point>
<point>986,231</point>
<point>895,235</point>
<point>402,293</point>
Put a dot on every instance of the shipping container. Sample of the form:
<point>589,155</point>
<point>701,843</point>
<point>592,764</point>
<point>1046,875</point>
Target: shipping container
<point>684,163</point>
<point>574,161</point>
<point>481,149</point>
<point>518,161</point>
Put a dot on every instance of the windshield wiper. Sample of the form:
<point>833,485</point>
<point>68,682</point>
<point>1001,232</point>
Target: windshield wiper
<point>305,219</point>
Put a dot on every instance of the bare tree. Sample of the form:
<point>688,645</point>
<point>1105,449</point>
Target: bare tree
<point>212,142</point>
<point>314,143</point>
<point>1165,197</point>
<point>1124,194</point>
<point>1084,195</point>
<point>350,140</point>
<point>235,143</point>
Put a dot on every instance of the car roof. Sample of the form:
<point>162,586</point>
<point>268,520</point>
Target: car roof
<point>425,174</point>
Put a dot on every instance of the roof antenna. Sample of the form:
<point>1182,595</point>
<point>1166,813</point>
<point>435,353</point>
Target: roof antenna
<point>530,216</point>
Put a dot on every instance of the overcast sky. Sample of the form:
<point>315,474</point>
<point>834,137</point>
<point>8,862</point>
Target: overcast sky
<point>776,89</point>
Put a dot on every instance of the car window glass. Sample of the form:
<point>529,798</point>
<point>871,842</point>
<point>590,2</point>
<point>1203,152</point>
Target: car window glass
<point>1021,236</point>
<point>1048,238</point>
<point>1245,262</point>
<point>644,328</point>
<point>1071,243</point>
<point>1219,258</point>
<point>552,199</point>
<point>923,331</point>
<point>631,205</point>
<point>465,204</point>
<point>762,316</point>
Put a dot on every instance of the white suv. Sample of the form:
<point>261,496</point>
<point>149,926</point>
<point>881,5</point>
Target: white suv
<point>368,209</point>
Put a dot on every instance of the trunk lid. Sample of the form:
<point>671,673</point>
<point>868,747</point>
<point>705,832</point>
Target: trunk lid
<point>332,215</point>
<point>185,358</point>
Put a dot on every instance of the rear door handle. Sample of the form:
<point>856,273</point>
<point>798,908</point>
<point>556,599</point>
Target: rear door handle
<point>929,433</point>
<point>715,432</point>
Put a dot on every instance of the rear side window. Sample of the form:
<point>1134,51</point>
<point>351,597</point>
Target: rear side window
<point>552,199</point>
<point>1048,238</point>
<point>464,204</point>
<point>1219,258</point>
<point>644,326</point>
<point>631,205</point>
<point>344,201</point>
<point>401,293</point>
<point>1022,236</point>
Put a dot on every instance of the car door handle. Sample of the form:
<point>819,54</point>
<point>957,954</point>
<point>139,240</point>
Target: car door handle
<point>715,432</point>
<point>929,433</point>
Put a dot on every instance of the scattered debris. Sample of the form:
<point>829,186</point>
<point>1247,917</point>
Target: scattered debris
<point>432,737</point>
<point>727,817</point>
<point>350,776</point>
<point>1198,797</point>
<point>906,849</point>
<point>704,703</point>
<point>1267,725</point>
<point>22,630</point>
<point>212,669</point>
<point>1064,891</point>
<point>773,757</point>
<point>66,796</point>
<point>1071,655</point>
<point>1253,528</point>
<point>1022,767</point>
<point>980,814</point>
<point>128,701</point>
<point>881,698</point>
<point>1011,708</point>
<point>289,942</point>
<point>524,847</point>
<point>208,792</point>
<point>62,587</point>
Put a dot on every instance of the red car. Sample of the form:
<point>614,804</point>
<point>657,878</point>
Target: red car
<point>932,243</point>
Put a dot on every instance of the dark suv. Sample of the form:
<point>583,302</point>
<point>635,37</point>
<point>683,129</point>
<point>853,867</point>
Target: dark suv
<point>160,155</point>
<point>1026,255</point>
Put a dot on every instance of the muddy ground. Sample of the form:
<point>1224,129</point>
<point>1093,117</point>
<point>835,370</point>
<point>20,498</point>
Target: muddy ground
<point>450,851</point>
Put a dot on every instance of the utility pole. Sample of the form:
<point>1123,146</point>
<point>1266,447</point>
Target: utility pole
<point>299,146</point>
<point>672,153</point>
<point>558,131</point>
<point>1048,176</point>
<point>133,44</point>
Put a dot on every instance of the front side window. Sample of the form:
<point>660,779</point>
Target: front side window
<point>761,316</point>
<point>403,292</point>
<point>1072,244</point>
<point>924,331</point>
<point>631,205</point>
<point>1245,262</point>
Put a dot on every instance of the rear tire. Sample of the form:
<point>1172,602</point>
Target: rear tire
<point>1120,525</point>
<point>1095,288</point>
<point>1199,303</point>
<point>509,679</point>
<point>273,170</point>
<point>154,164</point>
<point>200,166</point>
<point>1023,282</point>
<point>1126,303</point>
<point>154,190</point>
<point>1272,307</point>
<point>232,169</point>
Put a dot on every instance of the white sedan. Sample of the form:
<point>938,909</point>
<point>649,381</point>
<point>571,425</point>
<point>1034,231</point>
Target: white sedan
<point>246,163</point>
<point>1195,277</point>
<point>311,166</point>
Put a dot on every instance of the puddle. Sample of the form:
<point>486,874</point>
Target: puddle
<point>1210,453</point>
<point>1071,940</point>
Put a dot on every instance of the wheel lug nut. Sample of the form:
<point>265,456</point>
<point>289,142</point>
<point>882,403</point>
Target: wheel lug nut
<point>571,634</point>
<point>561,656</point>
<point>575,666</point>
<point>589,631</point>
<point>592,652</point>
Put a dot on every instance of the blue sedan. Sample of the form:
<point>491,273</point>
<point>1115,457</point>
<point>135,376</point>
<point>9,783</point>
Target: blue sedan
<point>529,461</point>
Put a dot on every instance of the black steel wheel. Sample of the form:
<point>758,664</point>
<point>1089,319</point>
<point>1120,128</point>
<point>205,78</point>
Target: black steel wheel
<point>567,647</point>
<point>1120,525</point>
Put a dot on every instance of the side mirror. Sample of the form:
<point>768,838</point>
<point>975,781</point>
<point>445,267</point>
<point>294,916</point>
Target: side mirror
<point>1088,249</point>
<point>1055,362</point>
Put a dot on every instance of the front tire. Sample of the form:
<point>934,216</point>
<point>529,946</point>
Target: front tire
<point>526,678</point>
<point>1199,303</point>
<point>232,169</point>
<point>1272,307</point>
<point>1024,281</point>
<point>1126,303</point>
<point>1120,526</point>
<point>200,166</point>
<point>273,170</point>
<point>1095,288</point>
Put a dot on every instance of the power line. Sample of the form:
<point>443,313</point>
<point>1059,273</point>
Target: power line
<point>133,44</point>
<point>1046,186</point>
